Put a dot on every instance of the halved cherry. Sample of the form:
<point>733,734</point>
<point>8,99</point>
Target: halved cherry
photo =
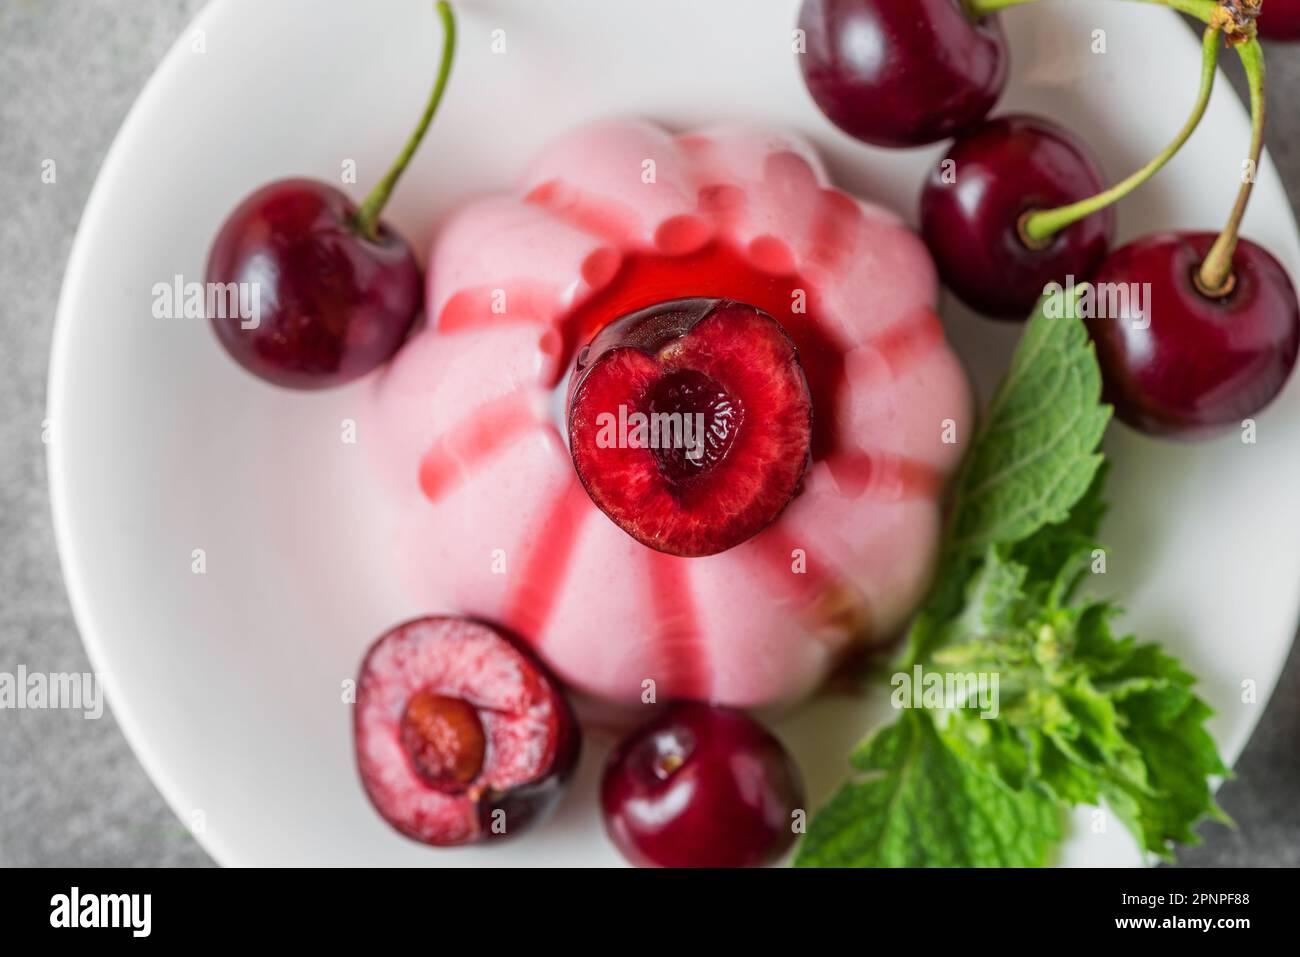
<point>461,735</point>
<point>690,423</point>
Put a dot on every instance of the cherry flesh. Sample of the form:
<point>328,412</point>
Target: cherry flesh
<point>901,73</point>
<point>461,734</point>
<point>974,201</point>
<point>1187,364</point>
<point>333,303</point>
<point>700,786</point>
<point>716,416</point>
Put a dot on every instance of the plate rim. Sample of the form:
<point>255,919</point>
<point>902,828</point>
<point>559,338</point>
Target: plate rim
<point>76,576</point>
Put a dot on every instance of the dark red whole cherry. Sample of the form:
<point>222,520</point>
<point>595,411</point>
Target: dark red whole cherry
<point>332,290</point>
<point>700,786</point>
<point>901,72</point>
<point>974,202</point>
<point>1279,20</point>
<point>334,303</point>
<point>1186,364</point>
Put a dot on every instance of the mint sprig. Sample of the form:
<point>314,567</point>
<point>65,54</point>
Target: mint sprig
<point>1036,453</point>
<point>1083,716</point>
<point>928,807</point>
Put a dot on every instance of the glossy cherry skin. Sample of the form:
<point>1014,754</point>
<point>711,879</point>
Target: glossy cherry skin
<point>1203,364</point>
<point>971,209</point>
<point>1280,20</point>
<point>333,304</point>
<point>700,786</point>
<point>905,73</point>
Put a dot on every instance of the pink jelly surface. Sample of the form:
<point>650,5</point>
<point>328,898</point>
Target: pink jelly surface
<point>470,438</point>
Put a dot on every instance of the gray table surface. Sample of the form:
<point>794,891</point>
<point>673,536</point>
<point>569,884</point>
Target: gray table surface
<point>71,792</point>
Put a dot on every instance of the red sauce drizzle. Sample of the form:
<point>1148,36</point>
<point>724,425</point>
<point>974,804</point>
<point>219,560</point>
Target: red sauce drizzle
<point>537,584</point>
<point>719,271</point>
<point>639,279</point>
<point>683,668</point>
<point>484,433</point>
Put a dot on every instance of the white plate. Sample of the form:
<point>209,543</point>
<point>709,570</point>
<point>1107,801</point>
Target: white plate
<point>228,684</point>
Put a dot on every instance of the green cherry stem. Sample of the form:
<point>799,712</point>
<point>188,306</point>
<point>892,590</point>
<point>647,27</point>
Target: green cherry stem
<point>1039,226</point>
<point>366,221</point>
<point>1200,9</point>
<point>982,8</point>
<point>1215,275</point>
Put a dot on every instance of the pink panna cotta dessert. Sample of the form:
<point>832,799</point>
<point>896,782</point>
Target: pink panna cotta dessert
<point>729,282</point>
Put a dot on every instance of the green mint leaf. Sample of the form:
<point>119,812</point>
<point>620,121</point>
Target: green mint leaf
<point>1036,453</point>
<point>985,605</point>
<point>1097,717</point>
<point>920,804</point>
<point>1082,716</point>
<point>1048,551</point>
<point>1164,721</point>
<point>1180,756</point>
